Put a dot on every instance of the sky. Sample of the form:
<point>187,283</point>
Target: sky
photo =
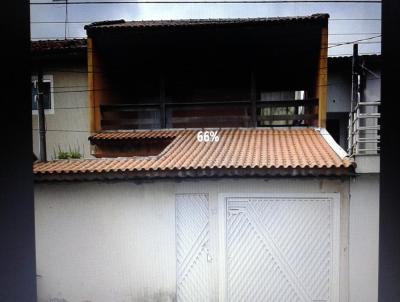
<point>47,21</point>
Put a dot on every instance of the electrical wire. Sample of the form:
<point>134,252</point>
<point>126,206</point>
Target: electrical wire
<point>216,2</point>
<point>104,72</point>
<point>336,44</point>
<point>355,41</point>
<point>110,89</point>
<point>93,90</point>
<point>89,22</point>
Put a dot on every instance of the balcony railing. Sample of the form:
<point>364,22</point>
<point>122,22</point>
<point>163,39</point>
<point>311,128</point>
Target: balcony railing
<point>364,128</point>
<point>208,114</point>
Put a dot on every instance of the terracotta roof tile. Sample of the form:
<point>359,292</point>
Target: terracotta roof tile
<point>126,135</point>
<point>145,24</point>
<point>239,148</point>
<point>58,46</point>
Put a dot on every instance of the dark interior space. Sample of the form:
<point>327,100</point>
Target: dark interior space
<point>205,76</point>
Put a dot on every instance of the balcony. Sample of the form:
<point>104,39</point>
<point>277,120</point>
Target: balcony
<point>208,113</point>
<point>364,136</point>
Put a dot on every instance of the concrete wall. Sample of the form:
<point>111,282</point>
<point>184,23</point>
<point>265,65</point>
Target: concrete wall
<point>372,90</point>
<point>364,238</point>
<point>339,89</point>
<point>339,85</point>
<point>339,97</point>
<point>68,126</point>
<point>115,241</point>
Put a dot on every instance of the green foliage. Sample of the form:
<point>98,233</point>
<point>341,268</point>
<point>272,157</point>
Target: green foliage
<point>70,154</point>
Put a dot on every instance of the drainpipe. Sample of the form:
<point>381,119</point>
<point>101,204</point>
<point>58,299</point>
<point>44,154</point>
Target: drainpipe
<point>42,122</point>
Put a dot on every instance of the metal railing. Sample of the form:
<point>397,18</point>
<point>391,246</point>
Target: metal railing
<point>364,129</point>
<point>207,114</point>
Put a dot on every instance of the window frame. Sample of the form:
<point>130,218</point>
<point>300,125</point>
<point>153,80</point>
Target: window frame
<point>49,79</point>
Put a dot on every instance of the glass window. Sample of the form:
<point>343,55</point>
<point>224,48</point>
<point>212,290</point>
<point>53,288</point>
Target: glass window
<point>47,95</point>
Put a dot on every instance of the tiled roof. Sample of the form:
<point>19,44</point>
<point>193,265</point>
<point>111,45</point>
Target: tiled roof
<point>58,46</point>
<point>240,151</point>
<point>126,135</point>
<point>369,57</point>
<point>122,24</point>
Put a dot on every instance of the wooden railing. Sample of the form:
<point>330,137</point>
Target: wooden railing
<point>207,114</point>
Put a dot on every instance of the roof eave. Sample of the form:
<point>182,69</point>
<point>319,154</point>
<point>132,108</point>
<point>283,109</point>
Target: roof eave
<point>122,25</point>
<point>199,173</point>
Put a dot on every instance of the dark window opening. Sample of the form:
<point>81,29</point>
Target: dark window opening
<point>46,95</point>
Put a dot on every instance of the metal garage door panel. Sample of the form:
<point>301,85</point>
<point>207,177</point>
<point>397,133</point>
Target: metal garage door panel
<point>279,249</point>
<point>192,239</point>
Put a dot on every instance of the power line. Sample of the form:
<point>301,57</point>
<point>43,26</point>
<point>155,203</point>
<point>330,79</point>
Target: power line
<point>66,18</point>
<point>352,34</point>
<point>351,54</point>
<point>337,44</point>
<point>72,86</point>
<point>344,43</point>
<point>355,41</point>
<point>124,69</point>
<point>87,72</point>
<point>216,2</point>
<point>55,130</point>
<point>83,37</point>
<point>110,89</point>
<point>88,22</point>
<point>355,19</point>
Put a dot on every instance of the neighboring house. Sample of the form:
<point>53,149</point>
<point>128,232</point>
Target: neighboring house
<point>355,126</point>
<point>64,67</point>
<point>214,177</point>
<point>340,91</point>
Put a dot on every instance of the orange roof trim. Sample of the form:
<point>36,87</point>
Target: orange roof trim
<point>269,151</point>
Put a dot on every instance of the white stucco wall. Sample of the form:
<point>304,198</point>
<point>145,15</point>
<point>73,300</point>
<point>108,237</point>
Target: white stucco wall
<point>339,89</point>
<point>115,241</point>
<point>364,238</point>
<point>68,126</point>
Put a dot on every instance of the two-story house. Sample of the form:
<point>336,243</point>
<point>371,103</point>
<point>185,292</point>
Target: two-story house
<point>214,177</point>
<point>63,64</point>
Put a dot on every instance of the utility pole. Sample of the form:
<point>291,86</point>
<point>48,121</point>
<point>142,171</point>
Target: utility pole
<point>42,121</point>
<point>66,19</point>
<point>66,16</point>
<point>354,99</point>
<point>354,72</point>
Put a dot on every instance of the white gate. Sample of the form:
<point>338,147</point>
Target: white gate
<point>281,249</point>
<point>192,239</point>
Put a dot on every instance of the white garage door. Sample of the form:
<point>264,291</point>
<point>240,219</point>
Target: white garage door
<point>282,249</point>
<point>192,240</point>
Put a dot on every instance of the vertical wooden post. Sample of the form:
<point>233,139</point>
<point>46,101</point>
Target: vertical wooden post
<point>162,100</point>
<point>41,115</point>
<point>253,98</point>
<point>322,77</point>
<point>94,107</point>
